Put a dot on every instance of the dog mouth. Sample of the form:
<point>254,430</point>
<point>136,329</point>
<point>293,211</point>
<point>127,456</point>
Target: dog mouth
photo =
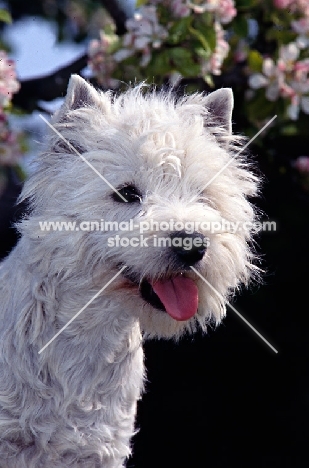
<point>177,296</point>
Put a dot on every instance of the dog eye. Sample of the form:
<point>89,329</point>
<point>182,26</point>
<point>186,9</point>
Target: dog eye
<point>129,192</point>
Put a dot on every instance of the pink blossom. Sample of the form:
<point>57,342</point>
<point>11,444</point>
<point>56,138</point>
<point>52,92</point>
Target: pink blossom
<point>282,3</point>
<point>199,7</point>
<point>241,52</point>
<point>287,57</point>
<point>271,79</point>
<point>226,11</point>
<point>144,29</point>
<point>10,147</point>
<point>287,78</point>
<point>302,164</point>
<point>101,61</point>
<point>299,6</point>
<point>286,91</point>
<point>144,34</point>
<point>179,8</point>
<point>301,26</point>
<point>214,64</point>
<point>8,81</point>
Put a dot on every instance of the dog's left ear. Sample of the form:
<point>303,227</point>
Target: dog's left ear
<point>220,105</point>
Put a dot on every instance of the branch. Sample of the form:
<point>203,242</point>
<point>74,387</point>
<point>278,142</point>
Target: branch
<point>118,12</point>
<point>48,87</point>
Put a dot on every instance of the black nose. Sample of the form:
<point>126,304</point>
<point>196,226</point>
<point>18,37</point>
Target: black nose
<point>189,248</point>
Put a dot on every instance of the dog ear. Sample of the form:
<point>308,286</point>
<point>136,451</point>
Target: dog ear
<point>220,105</point>
<point>79,94</point>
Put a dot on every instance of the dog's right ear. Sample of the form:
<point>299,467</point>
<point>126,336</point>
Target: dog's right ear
<point>220,105</point>
<point>80,94</point>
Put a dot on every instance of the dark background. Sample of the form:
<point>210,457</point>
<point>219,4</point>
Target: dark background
<point>224,399</point>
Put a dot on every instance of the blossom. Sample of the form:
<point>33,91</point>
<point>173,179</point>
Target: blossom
<point>299,6</point>
<point>10,147</point>
<point>282,3</point>
<point>241,51</point>
<point>101,61</point>
<point>287,56</point>
<point>214,64</point>
<point>302,164</point>
<point>8,81</point>
<point>298,102</point>
<point>287,78</point>
<point>199,7</point>
<point>179,8</point>
<point>301,26</point>
<point>144,34</point>
<point>224,10</point>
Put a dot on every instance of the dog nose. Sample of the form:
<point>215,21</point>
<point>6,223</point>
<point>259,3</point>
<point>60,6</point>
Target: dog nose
<point>189,248</point>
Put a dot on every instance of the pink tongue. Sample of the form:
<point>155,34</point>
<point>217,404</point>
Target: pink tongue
<point>179,297</point>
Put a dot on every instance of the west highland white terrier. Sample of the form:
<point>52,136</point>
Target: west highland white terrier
<point>139,259</point>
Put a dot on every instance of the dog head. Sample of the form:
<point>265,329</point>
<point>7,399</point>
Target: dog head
<point>155,172</point>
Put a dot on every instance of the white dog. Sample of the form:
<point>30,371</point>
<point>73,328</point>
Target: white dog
<point>170,170</point>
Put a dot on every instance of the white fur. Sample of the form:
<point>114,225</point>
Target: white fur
<point>74,404</point>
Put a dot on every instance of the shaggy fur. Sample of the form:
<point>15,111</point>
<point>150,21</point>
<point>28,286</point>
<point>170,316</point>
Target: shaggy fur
<point>74,404</point>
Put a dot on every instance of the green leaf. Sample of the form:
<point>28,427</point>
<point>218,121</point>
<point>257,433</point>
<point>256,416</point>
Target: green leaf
<point>199,36</point>
<point>202,53</point>
<point>240,26</point>
<point>283,36</point>
<point>179,30</point>
<point>5,16</point>
<point>210,36</point>
<point>289,130</point>
<point>182,61</point>
<point>245,4</point>
<point>255,61</point>
<point>204,21</point>
<point>159,64</point>
<point>209,80</point>
<point>139,3</point>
